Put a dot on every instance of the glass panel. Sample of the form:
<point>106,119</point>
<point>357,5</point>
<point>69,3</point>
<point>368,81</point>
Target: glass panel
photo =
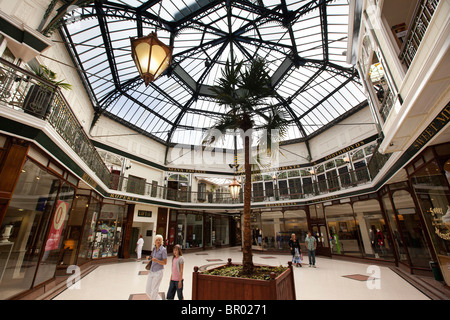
<point>411,228</point>
<point>270,223</point>
<point>24,228</point>
<point>194,231</point>
<point>53,245</point>
<point>258,192</point>
<point>87,241</point>
<point>295,188</point>
<point>74,230</point>
<point>283,188</point>
<point>398,242</point>
<point>221,228</point>
<point>374,232</point>
<point>333,183</point>
<point>294,222</point>
<point>344,230</point>
<point>108,231</point>
<point>307,186</point>
<point>269,190</point>
<point>181,230</point>
<point>208,231</point>
<point>432,193</point>
<point>255,225</point>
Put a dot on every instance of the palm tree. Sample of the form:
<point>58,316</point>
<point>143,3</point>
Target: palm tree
<point>247,93</point>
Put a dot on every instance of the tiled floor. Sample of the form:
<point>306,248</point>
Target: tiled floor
<point>331,280</point>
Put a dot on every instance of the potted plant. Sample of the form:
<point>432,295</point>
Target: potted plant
<point>247,94</point>
<point>38,99</point>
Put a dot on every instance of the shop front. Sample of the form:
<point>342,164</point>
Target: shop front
<point>33,227</point>
<point>47,223</point>
<point>199,230</point>
<point>429,175</point>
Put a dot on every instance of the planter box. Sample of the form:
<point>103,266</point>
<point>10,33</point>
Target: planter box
<point>37,101</point>
<point>212,287</point>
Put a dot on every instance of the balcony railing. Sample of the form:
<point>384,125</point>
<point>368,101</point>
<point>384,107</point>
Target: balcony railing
<point>344,181</point>
<point>422,17</point>
<point>25,92</point>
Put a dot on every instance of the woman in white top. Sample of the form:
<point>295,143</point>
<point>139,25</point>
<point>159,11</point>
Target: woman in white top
<point>140,244</point>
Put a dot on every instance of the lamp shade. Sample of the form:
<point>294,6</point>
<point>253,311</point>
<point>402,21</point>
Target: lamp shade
<point>151,56</point>
<point>234,188</point>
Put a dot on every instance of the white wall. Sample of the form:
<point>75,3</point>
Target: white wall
<point>144,224</point>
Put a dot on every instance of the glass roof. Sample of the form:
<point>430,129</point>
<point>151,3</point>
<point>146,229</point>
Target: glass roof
<point>304,43</point>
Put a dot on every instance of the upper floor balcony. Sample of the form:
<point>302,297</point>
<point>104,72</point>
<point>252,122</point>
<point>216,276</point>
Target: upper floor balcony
<point>403,59</point>
<point>24,92</point>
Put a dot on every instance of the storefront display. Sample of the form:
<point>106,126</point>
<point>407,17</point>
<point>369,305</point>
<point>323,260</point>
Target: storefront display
<point>432,191</point>
<point>108,231</point>
<point>40,205</point>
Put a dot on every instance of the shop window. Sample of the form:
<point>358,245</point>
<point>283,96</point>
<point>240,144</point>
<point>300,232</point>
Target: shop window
<point>432,193</point>
<point>74,231</point>
<point>411,228</point>
<point>108,232</point>
<point>88,237</point>
<point>397,237</point>
<point>24,228</point>
<point>374,231</point>
<point>291,222</point>
<point>343,230</point>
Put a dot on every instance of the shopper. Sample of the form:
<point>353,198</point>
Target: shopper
<point>176,280</point>
<point>139,245</point>
<point>159,260</point>
<point>296,251</point>
<point>311,245</point>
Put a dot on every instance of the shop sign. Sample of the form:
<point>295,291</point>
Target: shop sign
<point>145,214</point>
<point>433,128</point>
<point>56,229</point>
<point>440,222</point>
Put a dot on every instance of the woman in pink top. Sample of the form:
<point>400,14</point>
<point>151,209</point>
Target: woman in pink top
<point>176,280</point>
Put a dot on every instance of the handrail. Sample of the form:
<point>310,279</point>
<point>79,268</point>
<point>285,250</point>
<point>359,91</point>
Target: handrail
<point>20,88</point>
<point>347,180</point>
<point>24,91</point>
<point>419,23</point>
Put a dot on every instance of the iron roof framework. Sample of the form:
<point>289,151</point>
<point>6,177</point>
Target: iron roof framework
<point>303,41</point>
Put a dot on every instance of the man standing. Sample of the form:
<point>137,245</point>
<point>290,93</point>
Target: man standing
<point>139,245</point>
<point>311,245</point>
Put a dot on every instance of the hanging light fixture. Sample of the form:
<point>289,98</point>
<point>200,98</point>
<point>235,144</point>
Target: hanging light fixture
<point>151,56</point>
<point>234,188</point>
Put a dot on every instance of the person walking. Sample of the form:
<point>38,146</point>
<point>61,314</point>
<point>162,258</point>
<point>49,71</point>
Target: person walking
<point>139,245</point>
<point>296,251</point>
<point>311,245</point>
<point>155,274</point>
<point>176,280</point>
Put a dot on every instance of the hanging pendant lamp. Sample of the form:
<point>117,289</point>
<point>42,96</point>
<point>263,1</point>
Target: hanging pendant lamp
<point>151,56</point>
<point>234,188</point>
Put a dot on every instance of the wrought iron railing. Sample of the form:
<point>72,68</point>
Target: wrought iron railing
<point>23,91</point>
<point>420,22</point>
<point>318,187</point>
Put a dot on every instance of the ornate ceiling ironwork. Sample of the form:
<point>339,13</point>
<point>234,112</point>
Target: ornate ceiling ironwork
<point>303,41</point>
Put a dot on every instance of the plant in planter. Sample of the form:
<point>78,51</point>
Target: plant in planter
<point>228,282</point>
<point>39,96</point>
<point>247,93</point>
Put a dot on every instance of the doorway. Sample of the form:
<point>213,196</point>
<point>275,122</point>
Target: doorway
<point>133,240</point>
<point>320,232</point>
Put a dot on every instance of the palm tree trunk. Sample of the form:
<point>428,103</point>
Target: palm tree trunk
<point>247,260</point>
